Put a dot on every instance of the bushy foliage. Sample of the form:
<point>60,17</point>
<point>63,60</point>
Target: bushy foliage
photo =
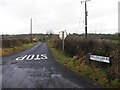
<point>78,46</point>
<point>12,43</point>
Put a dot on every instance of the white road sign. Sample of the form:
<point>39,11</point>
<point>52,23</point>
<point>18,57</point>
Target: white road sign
<point>63,34</point>
<point>60,35</point>
<point>100,58</point>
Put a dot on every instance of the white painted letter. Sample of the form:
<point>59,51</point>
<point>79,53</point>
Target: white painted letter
<point>21,58</point>
<point>43,56</point>
<point>37,58</point>
<point>30,57</point>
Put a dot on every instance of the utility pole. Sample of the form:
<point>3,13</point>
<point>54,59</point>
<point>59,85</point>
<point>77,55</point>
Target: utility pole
<point>63,39</point>
<point>86,14</point>
<point>31,30</point>
<point>85,19</point>
<point>118,61</point>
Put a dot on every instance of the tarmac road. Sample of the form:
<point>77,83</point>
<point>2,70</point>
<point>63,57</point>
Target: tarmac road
<point>36,68</point>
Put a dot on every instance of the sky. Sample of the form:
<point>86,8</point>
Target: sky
<point>58,15</point>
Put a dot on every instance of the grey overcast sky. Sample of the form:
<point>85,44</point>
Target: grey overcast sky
<point>58,15</point>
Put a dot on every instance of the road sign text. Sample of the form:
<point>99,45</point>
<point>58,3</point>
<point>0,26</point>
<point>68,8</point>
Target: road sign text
<point>100,58</point>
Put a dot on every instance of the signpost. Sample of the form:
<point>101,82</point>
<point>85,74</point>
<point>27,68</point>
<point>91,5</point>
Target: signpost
<point>63,35</point>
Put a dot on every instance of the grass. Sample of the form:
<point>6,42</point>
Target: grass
<point>79,66</point>
<point>10,51</point>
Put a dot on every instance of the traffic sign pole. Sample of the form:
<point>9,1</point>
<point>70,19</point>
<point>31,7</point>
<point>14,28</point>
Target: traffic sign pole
<point>63,35</point>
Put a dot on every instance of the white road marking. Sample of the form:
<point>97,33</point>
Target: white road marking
<point>21,58</point>
<point>32,57</point>
<point>43,56</point>
<point>37,58</point>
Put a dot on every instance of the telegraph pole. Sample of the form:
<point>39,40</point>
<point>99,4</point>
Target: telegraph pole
<point>63,39</point>
<point>31,30</point>
<point>86,14</point>
<point>85,19</point>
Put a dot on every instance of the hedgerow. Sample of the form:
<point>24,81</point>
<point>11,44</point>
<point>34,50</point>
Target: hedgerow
<point>12,43</point>
<point>76,46</point>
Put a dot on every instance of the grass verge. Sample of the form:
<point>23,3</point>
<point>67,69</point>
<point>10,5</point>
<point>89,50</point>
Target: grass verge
<point>79,66</point>
<point>10,51</point>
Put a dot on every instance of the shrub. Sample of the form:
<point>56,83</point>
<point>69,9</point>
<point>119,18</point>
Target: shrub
<point>77,46</point>
<point>12,43</point>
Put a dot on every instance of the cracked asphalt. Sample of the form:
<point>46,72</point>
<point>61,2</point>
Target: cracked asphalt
<point>43,73</point>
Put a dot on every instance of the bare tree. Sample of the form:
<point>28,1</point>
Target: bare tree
<point>49,32</point>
